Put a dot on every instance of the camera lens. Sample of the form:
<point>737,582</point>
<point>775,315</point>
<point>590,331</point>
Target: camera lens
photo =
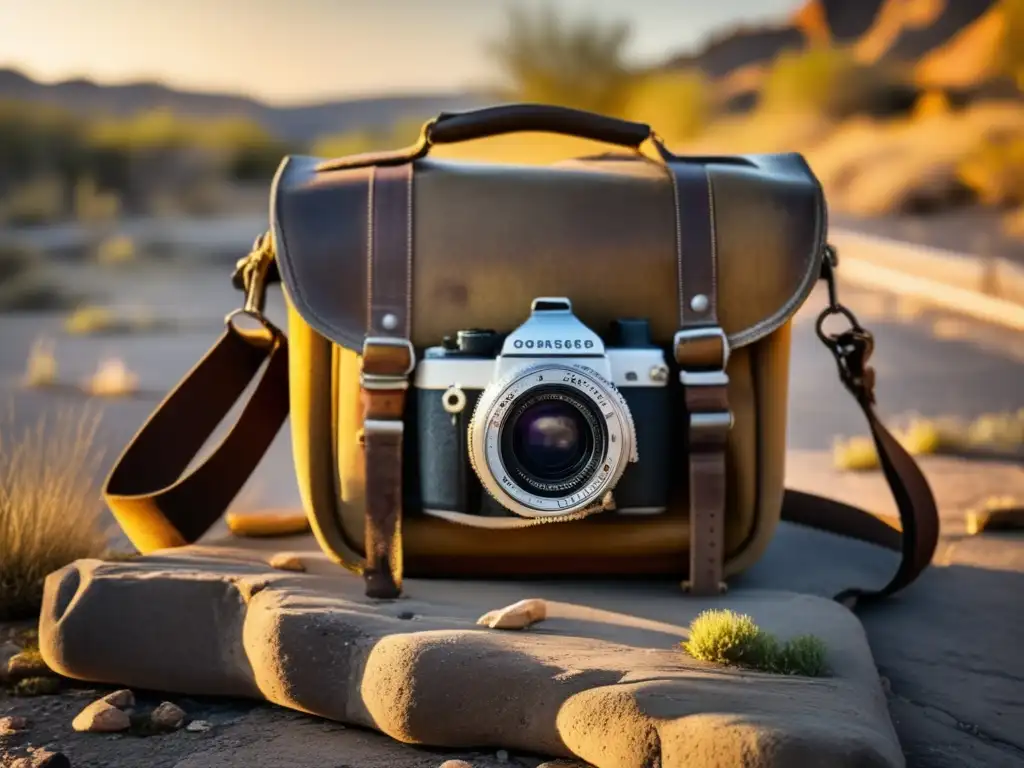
<point>553,441</point>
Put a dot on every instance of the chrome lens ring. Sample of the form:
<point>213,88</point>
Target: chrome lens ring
<point>488,444</point>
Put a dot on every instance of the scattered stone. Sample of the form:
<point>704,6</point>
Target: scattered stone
<point>12,723</point>
<point>37,686</point>
<point>561,763</point>
<point>455,764</point>
<point>287,561</point>
<point>516,616</point>
<point>122,699</point>
<point>406,615</point>
<point>168,716</point>
<point>101,717</point>
<point>198,726</point>
<point>502,756</point>
<point>27,664</point>
<point>45,758</point>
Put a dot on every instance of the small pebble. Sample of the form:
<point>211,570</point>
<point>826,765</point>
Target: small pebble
<point>502,756</point>
<point>12,723</point>
<point>123,699</point>
<point>168,716</point>
<point>198,726</point>
<point>456,764</point>
<point>287,561</point>
<point>101,717</point>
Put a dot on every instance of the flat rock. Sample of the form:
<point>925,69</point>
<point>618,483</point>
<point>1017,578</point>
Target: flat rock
<point>601,680</point>
<point>101,717</point>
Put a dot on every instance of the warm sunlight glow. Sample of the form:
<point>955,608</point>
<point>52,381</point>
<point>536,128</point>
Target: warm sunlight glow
<point>311,49</point>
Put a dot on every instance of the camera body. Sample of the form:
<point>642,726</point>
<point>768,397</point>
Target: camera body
<point>543,423</point>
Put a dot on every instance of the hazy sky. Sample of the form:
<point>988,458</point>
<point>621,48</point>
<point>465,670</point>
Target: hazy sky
<point>299,50</point>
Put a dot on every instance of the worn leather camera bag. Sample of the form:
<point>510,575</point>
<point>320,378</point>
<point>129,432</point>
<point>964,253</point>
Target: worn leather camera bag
<point>383,256</point>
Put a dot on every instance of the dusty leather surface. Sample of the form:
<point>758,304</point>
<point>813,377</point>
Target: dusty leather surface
<point>488,239</point>
<point>602,679</point>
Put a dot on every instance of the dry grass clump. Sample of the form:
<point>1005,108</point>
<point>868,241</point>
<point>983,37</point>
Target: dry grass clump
<point>41,368</point>
<point>93,320</point>
<point>733,639</point>
<point>50,512</point>
<point>989,433</point>
<point>112,379</point>
<point>996,513</point>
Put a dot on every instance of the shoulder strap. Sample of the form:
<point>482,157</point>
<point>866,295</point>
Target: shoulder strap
<point>160,503</point>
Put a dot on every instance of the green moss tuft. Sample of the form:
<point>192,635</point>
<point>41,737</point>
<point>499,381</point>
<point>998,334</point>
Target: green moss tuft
<point>733,639</point>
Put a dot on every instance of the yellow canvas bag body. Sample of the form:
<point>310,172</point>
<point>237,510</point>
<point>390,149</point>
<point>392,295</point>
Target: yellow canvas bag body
<point>644,301</point>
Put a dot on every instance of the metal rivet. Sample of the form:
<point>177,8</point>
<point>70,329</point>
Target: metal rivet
<point>389,321</point>
<point>659,373</point>
<point>699,303</point>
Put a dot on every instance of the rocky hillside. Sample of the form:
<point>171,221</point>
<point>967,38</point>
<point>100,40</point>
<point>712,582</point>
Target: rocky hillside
<point>944,44</point>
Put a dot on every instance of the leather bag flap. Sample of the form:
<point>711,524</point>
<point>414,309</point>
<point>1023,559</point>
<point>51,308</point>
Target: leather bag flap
<point>489,238</point>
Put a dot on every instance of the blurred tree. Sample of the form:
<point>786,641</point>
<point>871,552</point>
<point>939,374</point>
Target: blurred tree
<point>676,104</point>
<point>549,60</point>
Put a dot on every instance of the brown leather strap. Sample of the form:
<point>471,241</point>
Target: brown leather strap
<point>919,525</point>
<point>155,505</point>
<point>702,353</point>
<point>387,360</point>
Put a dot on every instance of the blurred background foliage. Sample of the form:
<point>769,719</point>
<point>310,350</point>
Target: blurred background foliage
<point>880,140</point>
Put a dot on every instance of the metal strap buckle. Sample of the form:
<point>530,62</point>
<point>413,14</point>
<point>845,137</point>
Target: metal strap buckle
<point>397,380</point>
<point>717,377</point>
<point>706,422</point>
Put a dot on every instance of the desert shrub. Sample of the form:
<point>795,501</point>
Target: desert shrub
<point>50,512</point>
<point>402,133</point>
<point>549,59</point>
<point>830,81</point>
<point>675,104</point>
<point>39,200</point>
<point>54,164</point>
<point>733,639</point>
<point>995,171</point>
<point>25,283</point>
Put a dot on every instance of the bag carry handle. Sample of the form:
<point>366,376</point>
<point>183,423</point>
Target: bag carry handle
<point>160,505</point>
<point>456,127</point>
<point>453,127</point>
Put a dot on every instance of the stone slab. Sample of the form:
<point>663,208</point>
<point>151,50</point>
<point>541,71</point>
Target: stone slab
<point>602,679</point>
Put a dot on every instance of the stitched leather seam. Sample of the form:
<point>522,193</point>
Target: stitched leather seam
<point>369,250</point>
<point>408,253</point>
<point>713,298</point>
<point>679,246</point>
